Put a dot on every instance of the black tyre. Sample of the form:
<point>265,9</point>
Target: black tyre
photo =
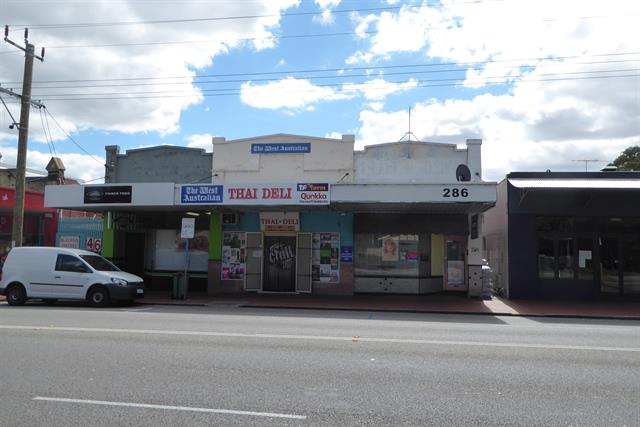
<point>98,297</point>
<point>16,295</point>
<point>49,301</point>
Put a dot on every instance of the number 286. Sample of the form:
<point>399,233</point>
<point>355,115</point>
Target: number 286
<point>455,192</point>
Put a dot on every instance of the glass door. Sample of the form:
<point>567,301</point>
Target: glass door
<point>454,264</point>
<point>279,264</point>
<point>630,266</point>
<point>610,276</point>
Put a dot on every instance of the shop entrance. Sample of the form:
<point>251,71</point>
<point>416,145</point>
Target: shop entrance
<point>279,263</point>
<point>134,253</point>
<point>619,265</point>
<point>454,260</point>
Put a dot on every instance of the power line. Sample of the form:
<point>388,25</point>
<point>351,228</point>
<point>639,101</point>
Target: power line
<point>71,138</point>
<point>235,93</point>
<point>339,76</point>
<point>349,69</point>
<point>384,83</point>
<point>232,18</point>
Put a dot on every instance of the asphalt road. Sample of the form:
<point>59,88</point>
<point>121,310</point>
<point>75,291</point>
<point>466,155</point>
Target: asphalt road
<point>70,365</point>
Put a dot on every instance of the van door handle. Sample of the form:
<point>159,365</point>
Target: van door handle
<point>57,277</point>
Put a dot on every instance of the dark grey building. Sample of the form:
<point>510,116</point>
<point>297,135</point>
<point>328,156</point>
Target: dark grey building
<point>565,235</point>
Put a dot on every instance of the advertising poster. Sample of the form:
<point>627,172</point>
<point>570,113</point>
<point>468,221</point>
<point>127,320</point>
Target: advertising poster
<point>455,273</point>
<point>325,253</point>
<point>390,248</point>
<point>234,252</point>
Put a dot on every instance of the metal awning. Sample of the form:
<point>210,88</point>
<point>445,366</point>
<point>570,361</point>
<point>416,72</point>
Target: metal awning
<point>568,183</point>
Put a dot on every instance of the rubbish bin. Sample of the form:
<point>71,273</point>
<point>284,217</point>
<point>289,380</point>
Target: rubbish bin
<point>179,286</point>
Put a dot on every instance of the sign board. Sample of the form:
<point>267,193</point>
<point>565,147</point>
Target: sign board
<point>473,229</point>
<point>281,148</point>
<point>188,228</point>
<point>346,254</point>
<point>276,194</point>
<point>201,194</point>
<point>288,222</point>
<point>107,194</point>
<point>69,242</point>
<point>93,244</point>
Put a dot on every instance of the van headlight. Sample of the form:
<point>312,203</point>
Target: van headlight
<point>119,282</point>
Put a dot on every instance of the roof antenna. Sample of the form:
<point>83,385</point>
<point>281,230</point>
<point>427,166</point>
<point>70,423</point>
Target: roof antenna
<point>409,133</point>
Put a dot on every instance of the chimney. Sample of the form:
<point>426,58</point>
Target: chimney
<point>55,170</point>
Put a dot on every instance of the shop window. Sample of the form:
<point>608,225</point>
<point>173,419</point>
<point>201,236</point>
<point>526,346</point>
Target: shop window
<point>565,258</point>
<point>585,259</point>
<point>546,259</point>
<point>387,255</point>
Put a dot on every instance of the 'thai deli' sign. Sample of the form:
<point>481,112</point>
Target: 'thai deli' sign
<point>276,194</point>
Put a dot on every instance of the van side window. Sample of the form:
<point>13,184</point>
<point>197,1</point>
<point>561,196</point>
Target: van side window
<point>70,263</point>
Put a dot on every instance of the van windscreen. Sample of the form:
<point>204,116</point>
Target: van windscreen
<point>99,263</point>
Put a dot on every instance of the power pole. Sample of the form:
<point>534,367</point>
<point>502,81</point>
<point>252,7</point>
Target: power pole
<point>23,134</point>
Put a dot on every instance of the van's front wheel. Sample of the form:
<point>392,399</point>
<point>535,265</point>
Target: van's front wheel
<point>98,297</point>
<point>16,295</point>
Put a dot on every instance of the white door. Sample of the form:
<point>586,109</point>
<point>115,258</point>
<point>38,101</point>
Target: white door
<point>71,277</point>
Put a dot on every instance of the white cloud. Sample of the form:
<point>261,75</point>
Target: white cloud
<point>294,94</point>
<point>326,18</point>
<point>200,141</point>
<point>159,111</point>
<point>562,102</point>
<point>289,93</point>
<point>78,166</point>
<point>539,126</point>
<point>379,89</point>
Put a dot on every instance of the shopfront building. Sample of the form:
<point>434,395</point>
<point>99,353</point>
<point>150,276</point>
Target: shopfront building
<point>299,214</point>
<point>566,235</point>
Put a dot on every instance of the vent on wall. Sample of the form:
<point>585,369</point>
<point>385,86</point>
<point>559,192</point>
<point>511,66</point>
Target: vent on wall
<point>230,218</point>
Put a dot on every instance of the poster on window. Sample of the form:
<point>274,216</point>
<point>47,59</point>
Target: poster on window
<point>325,256</point>
<point>390,248</point>
<point>455,273</point>
<point>234,250</point>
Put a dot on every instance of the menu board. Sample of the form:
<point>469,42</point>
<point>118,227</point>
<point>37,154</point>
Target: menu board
<point>234,251</point>
<point>325,252</point>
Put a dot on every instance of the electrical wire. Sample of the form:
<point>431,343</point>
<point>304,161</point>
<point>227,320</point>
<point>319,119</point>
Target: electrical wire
<point>46,136</point>
<point>380,85</point>
<point>349,69</point>
<point>71,138</point>
<point>208,95</point>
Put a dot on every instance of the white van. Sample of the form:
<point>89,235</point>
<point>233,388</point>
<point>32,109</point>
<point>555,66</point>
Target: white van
<point>61,273</point>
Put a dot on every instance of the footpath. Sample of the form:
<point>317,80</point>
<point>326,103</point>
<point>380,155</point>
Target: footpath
<point>608,308</point>
<point>602,308</point>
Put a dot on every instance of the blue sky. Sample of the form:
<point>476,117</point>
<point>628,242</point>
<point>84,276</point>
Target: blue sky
<point>543,83</point>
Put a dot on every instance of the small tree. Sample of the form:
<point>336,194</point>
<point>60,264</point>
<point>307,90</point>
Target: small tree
<point>629,160</point>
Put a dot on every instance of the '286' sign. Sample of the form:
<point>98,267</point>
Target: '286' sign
<point>93,244</point>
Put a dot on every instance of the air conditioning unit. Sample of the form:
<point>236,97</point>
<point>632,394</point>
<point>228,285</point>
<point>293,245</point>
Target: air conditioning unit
<point>230,218</point>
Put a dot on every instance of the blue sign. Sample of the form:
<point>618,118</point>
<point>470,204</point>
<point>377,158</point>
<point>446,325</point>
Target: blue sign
<point>346,254</point>
<point>281,148</point>
<point>203,194</point>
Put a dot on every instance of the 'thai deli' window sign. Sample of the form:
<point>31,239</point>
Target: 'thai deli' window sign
<point>276,194</point>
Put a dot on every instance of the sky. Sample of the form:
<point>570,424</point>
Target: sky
<point>546,84</point>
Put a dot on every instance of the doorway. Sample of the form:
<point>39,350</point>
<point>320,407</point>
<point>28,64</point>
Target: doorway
<point>619,265</point>
<point>134,253</point>
<point>454,264</point>
<point>279,263</point>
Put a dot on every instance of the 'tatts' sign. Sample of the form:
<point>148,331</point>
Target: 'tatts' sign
<point>313,194</point>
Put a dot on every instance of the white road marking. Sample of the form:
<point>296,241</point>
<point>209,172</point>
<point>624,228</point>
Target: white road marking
<point>171,408</point>
<point>134,310</point>
<point>323,338</point>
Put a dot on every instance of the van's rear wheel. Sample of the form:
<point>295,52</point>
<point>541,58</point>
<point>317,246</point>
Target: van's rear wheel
<point>98,297</point>
<point>16,295</point>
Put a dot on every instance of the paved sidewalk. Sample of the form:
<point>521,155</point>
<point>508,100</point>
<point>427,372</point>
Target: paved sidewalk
<point>618,308</point>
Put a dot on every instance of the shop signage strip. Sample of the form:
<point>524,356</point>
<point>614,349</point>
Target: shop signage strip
<point>281,148</point>
<point>255,194</point>
<point>107,194</point>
